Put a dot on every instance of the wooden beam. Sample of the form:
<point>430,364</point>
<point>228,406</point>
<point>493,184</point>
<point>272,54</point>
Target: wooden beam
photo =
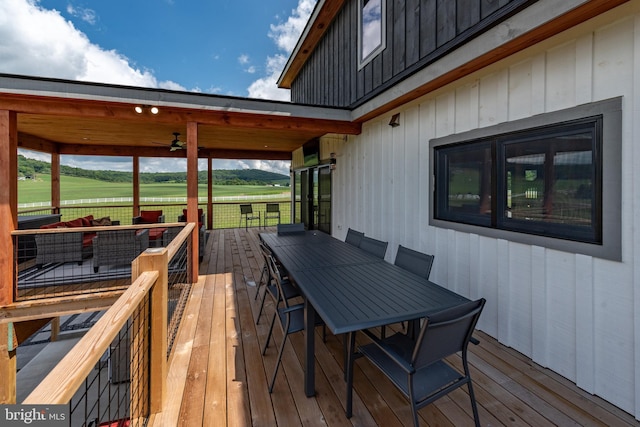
<point>35,143</point>
<point>47,105</point>
<point>55,181</point>
<point>192,194</point>
<point>59,306</point>
<point>23,330</point>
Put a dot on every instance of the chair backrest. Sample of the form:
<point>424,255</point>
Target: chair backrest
<point>446,332</point>
<point>150,217</point>
<point>354,237</point>
<point>273,207</point>
<point>276,274</point>
<point>298,227</point>
<point>375,247</point>
<point>246,209</point>
<point>414,261</point>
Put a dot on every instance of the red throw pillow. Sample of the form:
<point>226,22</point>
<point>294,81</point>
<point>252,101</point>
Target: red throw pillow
<point>86,221</point>
<point>74,223</point>
<point>150,216</point>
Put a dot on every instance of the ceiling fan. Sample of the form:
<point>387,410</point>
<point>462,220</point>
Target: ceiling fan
<point>176,144</point>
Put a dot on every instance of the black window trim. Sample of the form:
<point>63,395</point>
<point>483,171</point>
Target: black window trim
<point>611,179</point>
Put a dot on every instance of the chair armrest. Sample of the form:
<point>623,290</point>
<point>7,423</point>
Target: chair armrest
<point>136,220</point>
<point>115,222</point>
<point>161,218</point>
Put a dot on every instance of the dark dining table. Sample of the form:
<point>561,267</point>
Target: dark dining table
<point>350,289</point>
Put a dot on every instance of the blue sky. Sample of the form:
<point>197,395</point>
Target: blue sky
<point>225,47</point>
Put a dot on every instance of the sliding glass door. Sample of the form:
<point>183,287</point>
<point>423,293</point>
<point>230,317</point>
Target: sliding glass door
<point>312,198</point>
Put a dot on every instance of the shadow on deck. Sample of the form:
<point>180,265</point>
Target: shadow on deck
<point>218,376</point>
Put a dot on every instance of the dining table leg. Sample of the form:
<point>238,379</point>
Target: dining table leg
<point>309,349</point>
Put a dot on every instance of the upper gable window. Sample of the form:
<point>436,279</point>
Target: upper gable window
<point>371,25</point>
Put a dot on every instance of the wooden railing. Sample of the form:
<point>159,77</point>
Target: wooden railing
<point>143,304</point>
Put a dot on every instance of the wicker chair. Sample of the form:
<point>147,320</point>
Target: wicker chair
<point>60,247</point>
<point>117,247</point>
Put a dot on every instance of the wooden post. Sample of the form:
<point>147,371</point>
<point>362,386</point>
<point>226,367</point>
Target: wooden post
<point>209,194</point>
<point>136,186</point>
<point>154,259</point>
<point>192,194</point>
<point>55,182</point>
<point>9,215</point>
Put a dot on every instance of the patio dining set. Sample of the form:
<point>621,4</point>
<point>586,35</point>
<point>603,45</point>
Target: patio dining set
<point>348,288</point>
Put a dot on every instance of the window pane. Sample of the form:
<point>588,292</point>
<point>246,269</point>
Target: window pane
<point>371,27</point>
<point>464,183</point>
<point>549,183</point>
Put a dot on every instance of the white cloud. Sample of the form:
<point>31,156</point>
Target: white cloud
<point>87,15</point>
<point>285,35</point>
<point>39,42</point>
<point>243,59</point>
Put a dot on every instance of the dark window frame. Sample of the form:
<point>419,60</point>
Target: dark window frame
<point>603,241</point>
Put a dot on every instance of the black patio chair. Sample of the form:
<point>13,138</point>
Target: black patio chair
<point>267,279</point>
<point>375,247</point>
<point>272,212</point>
<point>246,213</point>
<point>417,367</point>
<point>416,262</point>
<point>354,237</point>
<point>290,317</point>
<point>298,227</point>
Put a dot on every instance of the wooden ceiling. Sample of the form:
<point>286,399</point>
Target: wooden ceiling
<point>98,127</point>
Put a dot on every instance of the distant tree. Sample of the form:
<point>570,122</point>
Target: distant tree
<point>31,167</point>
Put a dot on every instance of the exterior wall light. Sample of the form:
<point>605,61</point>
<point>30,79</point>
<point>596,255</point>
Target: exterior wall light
<point>332,161</point>
<point>141,108</point>
<point>395,120</point>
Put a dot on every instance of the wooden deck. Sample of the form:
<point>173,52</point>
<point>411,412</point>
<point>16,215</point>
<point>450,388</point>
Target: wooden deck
<point>218,376</point>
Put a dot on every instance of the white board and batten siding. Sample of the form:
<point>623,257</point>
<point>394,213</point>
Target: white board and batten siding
<point>576,314</point>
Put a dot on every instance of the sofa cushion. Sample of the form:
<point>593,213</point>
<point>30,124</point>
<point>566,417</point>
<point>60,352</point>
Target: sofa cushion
<point>86,220</point>
<point>150,217</point>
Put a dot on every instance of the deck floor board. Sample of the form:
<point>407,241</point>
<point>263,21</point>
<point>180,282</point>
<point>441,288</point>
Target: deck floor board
<point>218,376</point>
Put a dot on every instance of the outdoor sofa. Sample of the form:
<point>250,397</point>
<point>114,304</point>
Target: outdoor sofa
<point>68,246</point>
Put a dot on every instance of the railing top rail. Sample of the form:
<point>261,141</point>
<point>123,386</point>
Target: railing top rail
<point>63,381</point>
<point>176,243</point>
<point>96,228</point>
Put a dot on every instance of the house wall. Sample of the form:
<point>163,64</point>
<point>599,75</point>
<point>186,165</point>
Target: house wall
<point>417,33</point>
<point>576,314</point>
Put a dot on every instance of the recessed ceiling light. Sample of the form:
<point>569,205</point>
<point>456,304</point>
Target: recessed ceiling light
<point>154,110</point>
<point>138,109</point>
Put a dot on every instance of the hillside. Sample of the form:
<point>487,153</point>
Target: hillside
<point>30,168</point>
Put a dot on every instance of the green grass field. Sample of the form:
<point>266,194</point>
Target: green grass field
<point>74,188</point>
